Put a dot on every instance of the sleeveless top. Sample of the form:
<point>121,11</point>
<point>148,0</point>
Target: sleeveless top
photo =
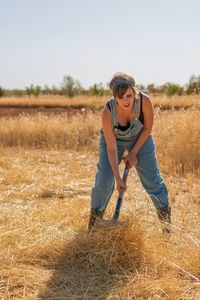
<point>126,132</point>
<point>141,116</point>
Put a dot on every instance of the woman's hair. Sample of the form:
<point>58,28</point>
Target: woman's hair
<point>120,83</point>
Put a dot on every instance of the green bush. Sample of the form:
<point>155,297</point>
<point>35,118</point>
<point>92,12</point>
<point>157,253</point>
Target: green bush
<point>97,90</point>
<point>36,90</point>
<point>33,90</point>
<point>172,89</point>
<point>29,90</point>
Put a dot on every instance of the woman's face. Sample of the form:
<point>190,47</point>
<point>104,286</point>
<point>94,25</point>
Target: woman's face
<point>127,99</point>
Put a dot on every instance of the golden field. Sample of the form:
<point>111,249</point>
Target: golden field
<point>47,170</point>
<point>96,102</point>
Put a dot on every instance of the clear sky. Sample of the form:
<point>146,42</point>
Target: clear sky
<point>155,41</point>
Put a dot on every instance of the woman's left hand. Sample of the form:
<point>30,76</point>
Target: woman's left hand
<point>131,159</point>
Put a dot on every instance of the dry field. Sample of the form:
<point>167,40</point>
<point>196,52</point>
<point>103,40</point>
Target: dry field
<point>95,101</point>
<point>47,169</point>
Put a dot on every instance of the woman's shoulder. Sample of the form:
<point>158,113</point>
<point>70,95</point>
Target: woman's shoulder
<point>145,99</point>
<point>144,96</point>
<point>107,109</point>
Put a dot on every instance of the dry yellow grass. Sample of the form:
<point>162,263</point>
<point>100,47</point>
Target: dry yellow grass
<point>47,169</point>
<point>177,140</point>
<point>51,132</point>
<point>46,253</point>
<point>187,101</point>
<point>97,102</point>
<point>92,101</point>
<point>176,134</point>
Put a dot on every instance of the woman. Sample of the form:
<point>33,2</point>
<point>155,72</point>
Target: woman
<point>127,121</point>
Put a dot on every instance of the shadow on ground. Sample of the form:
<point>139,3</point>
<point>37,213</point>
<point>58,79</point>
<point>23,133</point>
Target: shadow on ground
<point>95,266</point>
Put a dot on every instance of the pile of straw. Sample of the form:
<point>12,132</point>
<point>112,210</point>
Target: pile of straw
<point>120,262</point>
<point>93,265</point>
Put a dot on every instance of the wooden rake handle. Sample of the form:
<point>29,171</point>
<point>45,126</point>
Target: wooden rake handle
<point>121,193</point>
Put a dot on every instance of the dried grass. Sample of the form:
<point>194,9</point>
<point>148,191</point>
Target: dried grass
<point>47,132</point>
<point>47,254</point>
<point>177,141</point>
<point>176,134</point>
<point>92,265</point>
<point>51,101</point>
<point>176,102</point>
<point>45,202</point>
<point>162,101</point>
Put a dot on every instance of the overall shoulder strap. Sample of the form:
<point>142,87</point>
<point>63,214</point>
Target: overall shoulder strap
<point>140,103</point>
<point>112,104</point>
<point>136,108</point>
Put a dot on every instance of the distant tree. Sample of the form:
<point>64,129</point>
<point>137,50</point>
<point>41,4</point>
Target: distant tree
<point>70,87</point>
<point>29,90</point>
<point>1,92</point>
<point>180,91</point>
<point>172,89</point>
<point>141,87</point>
<point>194,85</point>
<point>162,88</point>
<point>54,90</point>
<point>33,90</point>
<point>97,89</point>
<point>151,88</point>
<point>36,90</point>
<point>46,90</point>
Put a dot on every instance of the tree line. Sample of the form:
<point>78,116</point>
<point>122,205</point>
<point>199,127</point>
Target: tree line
<point>71,87</point>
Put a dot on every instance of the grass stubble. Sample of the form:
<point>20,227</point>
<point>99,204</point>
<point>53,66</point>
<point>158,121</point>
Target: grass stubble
<point>45,201</point>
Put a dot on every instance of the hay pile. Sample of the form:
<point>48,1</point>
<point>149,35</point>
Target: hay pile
<point>115,262</point>
<point>93,266</point>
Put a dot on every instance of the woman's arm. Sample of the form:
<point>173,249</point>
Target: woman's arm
<point>148,124</point>
<point>111,146</point>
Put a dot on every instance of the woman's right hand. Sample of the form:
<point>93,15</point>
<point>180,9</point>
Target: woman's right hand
<point>120,184</point>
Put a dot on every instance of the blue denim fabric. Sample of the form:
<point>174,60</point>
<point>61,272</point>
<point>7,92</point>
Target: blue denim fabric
<point>147,167</point>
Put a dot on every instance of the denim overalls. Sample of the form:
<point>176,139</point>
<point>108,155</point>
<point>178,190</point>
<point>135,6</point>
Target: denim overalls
<point>147,166</point>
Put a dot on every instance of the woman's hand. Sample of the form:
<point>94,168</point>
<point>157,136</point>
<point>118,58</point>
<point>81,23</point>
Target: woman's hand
<point>120,184</point>
<point>131,159</point>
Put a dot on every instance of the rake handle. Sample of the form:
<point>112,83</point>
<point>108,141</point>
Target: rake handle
<point>121,193</point>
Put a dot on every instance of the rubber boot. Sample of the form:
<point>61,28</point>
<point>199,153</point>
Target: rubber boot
<point>164,215</point>
<point>94,215</point>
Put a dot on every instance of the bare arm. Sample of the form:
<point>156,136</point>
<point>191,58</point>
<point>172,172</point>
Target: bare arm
<point>148,124</point>
<point>111,146</point>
